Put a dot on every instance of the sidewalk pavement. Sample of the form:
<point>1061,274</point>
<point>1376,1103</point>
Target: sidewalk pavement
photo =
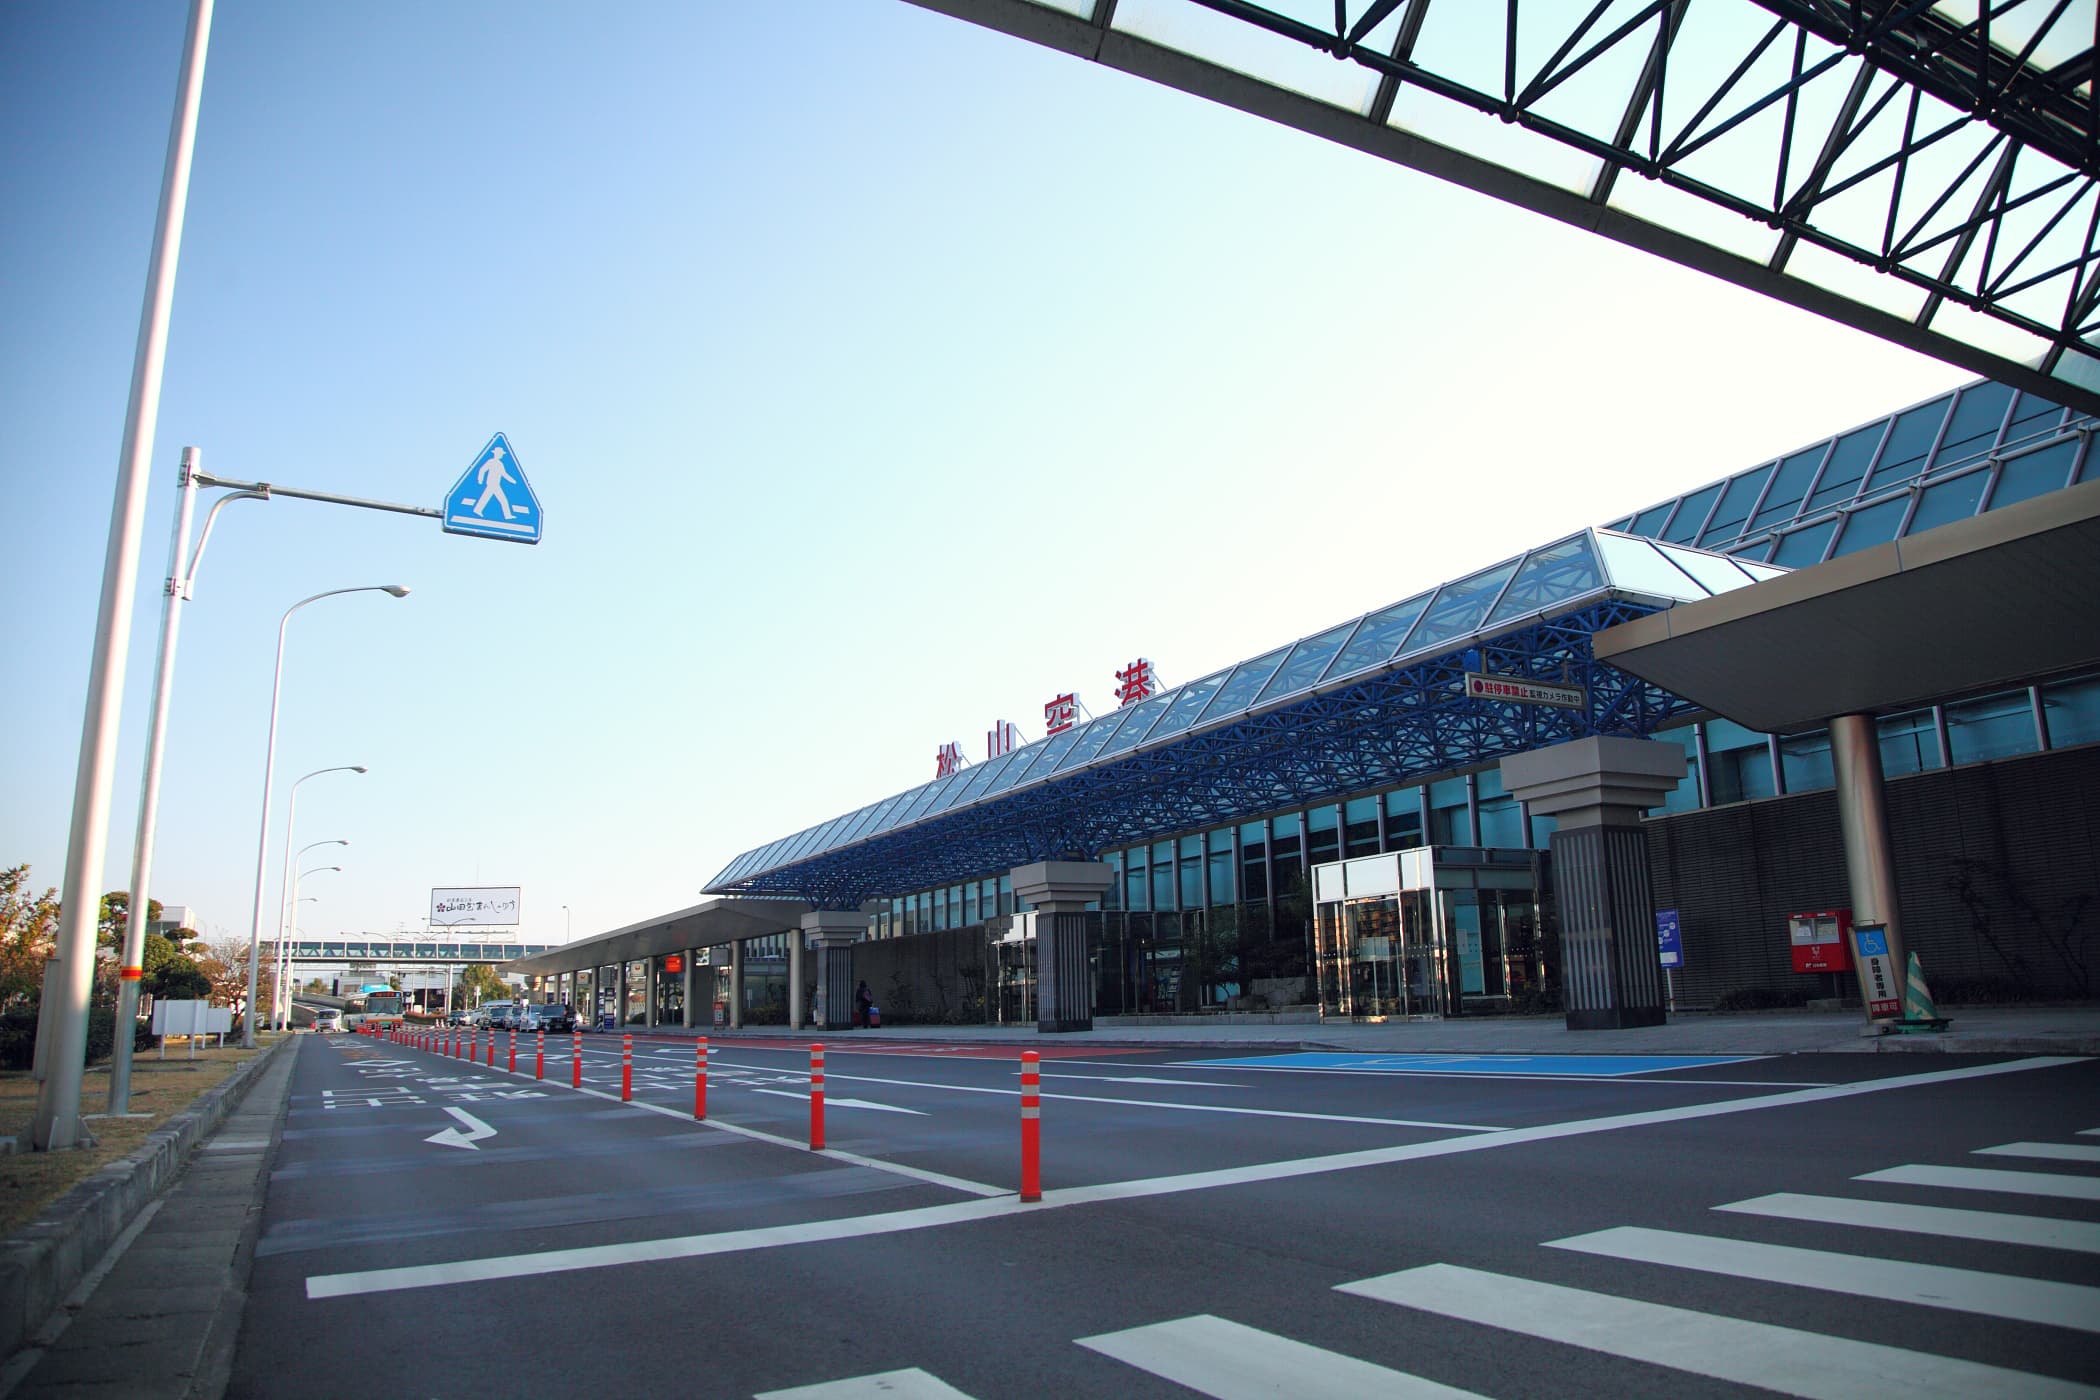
<point>1985,1030</point>
<point>158,1317</point>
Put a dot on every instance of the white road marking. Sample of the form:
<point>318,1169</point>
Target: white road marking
<point>1141,1079</point>
<point>1757,1354</point>
<point>2072,1305</point>
<point>693,1246</point>
<point>1228,1361</point>
<point>2043,1151</point>
<point>1174,1107</point>
<point>912,1384</point>
<point>2074,1188</point>
<point>476,1130</point>
<point>832,1102</point>
<point>1995,1226</point>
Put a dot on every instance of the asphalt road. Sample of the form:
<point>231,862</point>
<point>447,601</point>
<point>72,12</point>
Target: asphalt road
<point>1231,1225</point>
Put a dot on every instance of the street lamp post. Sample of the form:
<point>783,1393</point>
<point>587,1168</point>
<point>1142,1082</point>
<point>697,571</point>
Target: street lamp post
<point>56,1123</point>
<point>285,883</point>
<point>262,836</point>
<point>282,995</point>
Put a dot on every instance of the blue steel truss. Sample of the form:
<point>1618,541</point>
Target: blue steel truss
<point>1391,728</point>
<point>1924,170</point>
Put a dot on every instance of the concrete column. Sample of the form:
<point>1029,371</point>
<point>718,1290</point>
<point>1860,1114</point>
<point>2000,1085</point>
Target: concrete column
<point>1611,975</point>
<point>620,1008</point>
<point>736,985</point>
<point>1059,891</point>
<point>1863,825</point>
<point>652,970</point>
<point>833,932</point>
<point>794,942</point>
<point>689,957</point>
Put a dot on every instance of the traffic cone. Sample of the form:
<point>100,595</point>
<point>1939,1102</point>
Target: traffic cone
<point>1917,1000</point>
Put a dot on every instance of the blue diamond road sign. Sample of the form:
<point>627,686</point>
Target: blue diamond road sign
<point>493,500</point>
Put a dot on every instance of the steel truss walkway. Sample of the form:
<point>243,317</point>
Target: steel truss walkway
<point>1922,171</point>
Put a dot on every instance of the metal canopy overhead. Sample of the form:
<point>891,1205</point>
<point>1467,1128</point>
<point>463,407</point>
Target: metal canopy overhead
<point>1377,701</point>
<point>704,925</point>
<point>1982,603</point>
<point>1922,171</point>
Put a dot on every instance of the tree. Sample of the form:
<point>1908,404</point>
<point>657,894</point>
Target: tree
<point>225,966</point>
<point>28,935</point>
<point>171,973</point>
<point>479,983</point>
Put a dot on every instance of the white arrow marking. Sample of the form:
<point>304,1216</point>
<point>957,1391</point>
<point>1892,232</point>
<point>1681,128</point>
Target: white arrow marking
<point>453,1137</point>
<point>844,1103</point>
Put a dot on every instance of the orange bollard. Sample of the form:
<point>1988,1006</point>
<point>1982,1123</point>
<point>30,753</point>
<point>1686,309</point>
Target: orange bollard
<point>700,1078</point>
<point>539,1054</point>
<point>513,1049</point>
<point>816,1098</point>
<point>1031,1126</point>
<point>626,1068</point>
<point>576,1064</point>
<point>492,1047</point>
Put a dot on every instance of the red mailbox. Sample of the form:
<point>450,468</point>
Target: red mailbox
<point>1822,941</point>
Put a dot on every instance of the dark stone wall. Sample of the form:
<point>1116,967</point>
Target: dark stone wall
<point>1997,869</point>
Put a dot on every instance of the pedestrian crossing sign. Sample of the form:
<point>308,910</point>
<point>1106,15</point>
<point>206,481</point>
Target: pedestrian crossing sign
<point>492,499</point>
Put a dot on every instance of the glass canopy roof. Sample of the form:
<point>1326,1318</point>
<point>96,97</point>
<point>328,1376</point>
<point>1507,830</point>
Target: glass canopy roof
<point>1555,579</point>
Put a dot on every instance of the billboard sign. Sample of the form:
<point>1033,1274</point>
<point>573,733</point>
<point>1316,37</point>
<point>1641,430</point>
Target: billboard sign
<point>485,904</point>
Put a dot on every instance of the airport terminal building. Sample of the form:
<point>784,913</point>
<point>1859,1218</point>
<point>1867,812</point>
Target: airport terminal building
<point>1864,674</point>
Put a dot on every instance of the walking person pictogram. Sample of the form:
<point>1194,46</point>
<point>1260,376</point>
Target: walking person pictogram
<point>493,479</point>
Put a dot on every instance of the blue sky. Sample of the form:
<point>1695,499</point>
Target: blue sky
<point>881,377</point>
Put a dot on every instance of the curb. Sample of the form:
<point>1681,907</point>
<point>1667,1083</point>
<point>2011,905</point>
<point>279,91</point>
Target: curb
<point>41,1263</point>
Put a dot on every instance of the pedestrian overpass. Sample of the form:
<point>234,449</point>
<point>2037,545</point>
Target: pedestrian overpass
<point>434,952</point>
<point>1923,171</point>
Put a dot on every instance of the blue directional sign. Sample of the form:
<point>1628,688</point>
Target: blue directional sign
<point>493,500</point>
<point>1669,937</point>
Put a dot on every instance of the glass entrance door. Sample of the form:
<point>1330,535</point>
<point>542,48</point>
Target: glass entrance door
<point>1013,970</point>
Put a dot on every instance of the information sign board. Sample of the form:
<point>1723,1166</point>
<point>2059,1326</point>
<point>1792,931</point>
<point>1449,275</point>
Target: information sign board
<point>1877,972</point>
<point>1669,937</point>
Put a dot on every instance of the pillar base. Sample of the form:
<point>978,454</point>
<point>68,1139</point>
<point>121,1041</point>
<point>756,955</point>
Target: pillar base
<point>1059,892</point>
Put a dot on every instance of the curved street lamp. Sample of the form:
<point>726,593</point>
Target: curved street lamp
<point>262,836</point>
<point>285,883</point>
<point>282,997</point>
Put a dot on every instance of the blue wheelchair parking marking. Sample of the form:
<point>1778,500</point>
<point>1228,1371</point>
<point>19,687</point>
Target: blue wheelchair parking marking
<point>1559,1066</point>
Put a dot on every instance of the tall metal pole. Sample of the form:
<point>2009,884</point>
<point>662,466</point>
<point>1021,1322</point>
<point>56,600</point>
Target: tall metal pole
<point>287,887</point>
<point>139,904</point>
<point>180,588</point>
<point>262,835</point>
<point>281,992</point>
<point>57,1121</point>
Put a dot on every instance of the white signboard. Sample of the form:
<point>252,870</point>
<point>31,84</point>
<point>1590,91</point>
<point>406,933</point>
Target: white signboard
<point>1480,686</point>
<point>190,1018</point>
<point>487,904</point>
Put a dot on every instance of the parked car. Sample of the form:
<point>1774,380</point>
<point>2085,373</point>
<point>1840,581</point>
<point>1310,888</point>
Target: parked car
<point>550,1016</point>
<point>462,1017</point>
<point>502,1015</point>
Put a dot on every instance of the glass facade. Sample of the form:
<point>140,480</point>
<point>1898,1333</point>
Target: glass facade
<point>1979,448</point>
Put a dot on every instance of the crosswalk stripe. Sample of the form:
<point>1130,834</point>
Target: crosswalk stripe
<point>2072,1188</point>
<point>1228,1361</point>
<point>911,1384</point>
<point>2044,1151</point>
<point>2073,1305</point>
<point>1780,1359</point>
<point>1996,1226</point>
